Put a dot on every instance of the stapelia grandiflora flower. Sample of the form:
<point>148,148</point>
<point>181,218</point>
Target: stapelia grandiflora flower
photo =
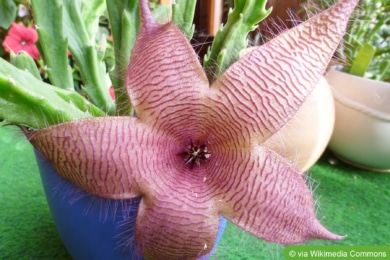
<point>194,151</point>
<point>21,38</point>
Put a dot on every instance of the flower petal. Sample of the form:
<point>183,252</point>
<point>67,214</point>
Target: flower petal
<point>164,75</point>
<point>176,226</point>
<point>269,199</point>
<point>111,157</point>
<point>17,29</point>
<point>266,87</point>
<point>32,50</point>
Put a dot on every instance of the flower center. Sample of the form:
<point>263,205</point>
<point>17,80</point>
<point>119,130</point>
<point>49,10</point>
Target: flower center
<point>195,154</point>
<point>23,43</point>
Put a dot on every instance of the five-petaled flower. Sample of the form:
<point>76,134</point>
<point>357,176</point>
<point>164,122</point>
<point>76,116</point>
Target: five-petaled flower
<point>21,38</point>
<point>194,151</point>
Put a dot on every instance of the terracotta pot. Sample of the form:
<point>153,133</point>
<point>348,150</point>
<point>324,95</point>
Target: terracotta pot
<point>91,227</point>
<point>361,135</point>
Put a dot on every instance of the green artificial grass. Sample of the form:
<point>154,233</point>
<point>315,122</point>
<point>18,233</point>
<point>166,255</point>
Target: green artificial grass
<point>350,202</point>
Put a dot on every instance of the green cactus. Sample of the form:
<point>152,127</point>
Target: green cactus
<point>91,11</point>
<point>183,15</point>
<point>124,20</point>
<point>232,37</point>
<point>83,49</point>
<point>53,42</point>
<point>28,101</point>
<point>24,61</point>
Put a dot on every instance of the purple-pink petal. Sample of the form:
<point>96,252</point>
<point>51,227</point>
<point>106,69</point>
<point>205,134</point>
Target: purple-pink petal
<point>164,76</point>
<point>110,157</point>
<point>269,198</point>
<point>177,225</point>
<point>266,87</point>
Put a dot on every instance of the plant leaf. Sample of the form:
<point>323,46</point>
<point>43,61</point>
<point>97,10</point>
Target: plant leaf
<point>231,38</point>
<point>83,49</point>
<point>183,12</point>
<point>91,11</point>
<point>124,20</point>
<point>363,59</point>
<point>7,13</point>
<point>23,61</point>
<point>28,101</point>
<point>53,42</point>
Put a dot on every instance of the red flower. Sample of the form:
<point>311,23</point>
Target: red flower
<point>21,38</point>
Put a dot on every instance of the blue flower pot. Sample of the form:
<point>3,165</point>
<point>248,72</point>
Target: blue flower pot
<point>92,227</point>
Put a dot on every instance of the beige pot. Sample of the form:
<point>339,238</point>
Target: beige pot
<point>362,130</point>
<point>305,137</point>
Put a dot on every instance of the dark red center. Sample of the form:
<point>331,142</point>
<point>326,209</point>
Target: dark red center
<point>196,154</point>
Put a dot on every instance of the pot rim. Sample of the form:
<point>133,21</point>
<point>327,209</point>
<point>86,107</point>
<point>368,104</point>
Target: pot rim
<point>359,107</point>
<point>347,101</point>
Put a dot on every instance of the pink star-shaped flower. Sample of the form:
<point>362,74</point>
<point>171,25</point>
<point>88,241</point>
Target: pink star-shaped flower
<point>21,38</point>
<point>195,151</point>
